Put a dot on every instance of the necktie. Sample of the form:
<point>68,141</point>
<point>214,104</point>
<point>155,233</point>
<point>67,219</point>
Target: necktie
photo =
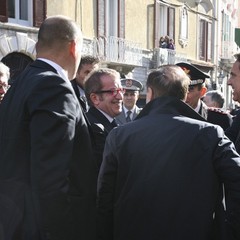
<point>113,123</point>
<point>128,119</point>
<point>84,103</point>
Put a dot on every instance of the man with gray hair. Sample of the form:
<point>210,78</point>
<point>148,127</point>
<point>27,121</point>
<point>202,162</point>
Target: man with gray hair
<point>4,77</point>
<point>161,174</point>
<point>214,98</point>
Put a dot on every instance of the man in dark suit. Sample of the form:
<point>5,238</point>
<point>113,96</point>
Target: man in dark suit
<point>47,171</point>
<point>87,64</point>
<point>105,93</point>
<point>161,174</point>
<point>196,91</point>
<point>130,109</point>
<point>233,132</point>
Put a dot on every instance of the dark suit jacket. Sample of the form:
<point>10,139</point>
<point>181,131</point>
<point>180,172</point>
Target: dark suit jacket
<point>161,176</point>
<point>47,171</point>
<point>100,127</point>
<point>82,102</point>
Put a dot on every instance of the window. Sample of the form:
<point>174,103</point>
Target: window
<point>205,43</point>
<point>23,12</point>
<point>164,21</point>
<point>20,11</point>
<point>111,18</point>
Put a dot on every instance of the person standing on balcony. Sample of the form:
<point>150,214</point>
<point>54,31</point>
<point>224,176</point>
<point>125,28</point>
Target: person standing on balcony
<point>87,64</point>
<point>4,77</point>
<point>170,44</point>
<point>196,91</point>
<point>130,109</point>
<point>47,169</point>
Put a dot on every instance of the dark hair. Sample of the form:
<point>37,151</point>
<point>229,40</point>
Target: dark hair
<point>168,80</point>
<point>88,59</point>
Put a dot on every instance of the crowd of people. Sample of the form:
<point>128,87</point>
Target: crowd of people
<point>81,161</point>
<point>166,42</point>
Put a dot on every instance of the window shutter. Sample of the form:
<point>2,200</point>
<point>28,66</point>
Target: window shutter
<point>101,18</point>
<point>3,11</point>
<point>121,20</point>
<point>156,24</point>
<point>39,12</point>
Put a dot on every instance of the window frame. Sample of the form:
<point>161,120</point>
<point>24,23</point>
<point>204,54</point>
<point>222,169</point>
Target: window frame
<point>17,19</point>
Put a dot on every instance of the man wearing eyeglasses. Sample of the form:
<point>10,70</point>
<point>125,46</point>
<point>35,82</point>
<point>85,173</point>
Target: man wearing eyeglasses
<point>196,91</point>
<point>4,76</point>
<point>104,92</point>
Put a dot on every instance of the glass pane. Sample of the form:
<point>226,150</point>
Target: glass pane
<point>23,9</point>
<point>11,8</point>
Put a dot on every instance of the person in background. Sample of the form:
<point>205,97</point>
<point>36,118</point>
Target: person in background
<point>130,109</point>
<point>87,64</point>
<point>4,77</point>
<point>105,94</point>
<point>161,173</point>
<point>162,42</point>
<point>171,44</point>
<point>47,173</point>
<point>196,91</point>
<point>214,99</point>
<point>233,132</point>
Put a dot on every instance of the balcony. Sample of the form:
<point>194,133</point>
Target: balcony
<point>114,50</point>
<point>163,56</point>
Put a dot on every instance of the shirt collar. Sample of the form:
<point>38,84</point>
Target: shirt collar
<point>58,68</point>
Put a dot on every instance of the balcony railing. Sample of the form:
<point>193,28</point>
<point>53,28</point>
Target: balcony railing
<point>162,56</point>
<point>112,49</point>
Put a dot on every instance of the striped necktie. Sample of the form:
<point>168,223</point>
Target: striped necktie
<point>128,119</point>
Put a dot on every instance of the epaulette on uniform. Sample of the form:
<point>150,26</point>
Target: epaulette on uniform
<point>217,110</point>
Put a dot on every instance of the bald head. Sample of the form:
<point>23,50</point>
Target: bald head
<point>168,80</point>
<point>60,40</point>
<point>56,31</point>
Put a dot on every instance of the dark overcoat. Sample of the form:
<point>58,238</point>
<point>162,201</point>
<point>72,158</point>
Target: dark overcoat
<point>162,176</point>
<point>47,171</point>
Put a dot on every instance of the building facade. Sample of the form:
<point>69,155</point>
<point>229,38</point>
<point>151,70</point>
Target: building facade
<point>125,34</point>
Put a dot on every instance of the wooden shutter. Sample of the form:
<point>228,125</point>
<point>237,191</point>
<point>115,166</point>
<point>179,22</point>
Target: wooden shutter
<point>121,20</point>
<point>39,12</point>
<point>156,24</point>
<point>101,18</point>
<point>3,11</point>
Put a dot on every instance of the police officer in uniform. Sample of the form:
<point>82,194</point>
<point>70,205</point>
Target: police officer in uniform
<point>197,90</point>
<point>130,110</point>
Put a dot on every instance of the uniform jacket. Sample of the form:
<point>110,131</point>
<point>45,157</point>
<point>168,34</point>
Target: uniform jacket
<point>47,172</point>
<point>121,118</point>
<point>215,116</point>
<point>161,176</point>
<point>100,128</point>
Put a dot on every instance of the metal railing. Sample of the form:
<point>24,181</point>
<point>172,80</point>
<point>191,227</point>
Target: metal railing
<point>113,49</point>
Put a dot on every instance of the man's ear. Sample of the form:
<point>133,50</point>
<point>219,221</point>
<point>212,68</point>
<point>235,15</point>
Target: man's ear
<point>150,95</point>
<point>203,91</point>
<point>73,48</point>
<point>94,99</point>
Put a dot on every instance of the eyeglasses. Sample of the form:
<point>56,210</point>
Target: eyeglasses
<point>113,92</point>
